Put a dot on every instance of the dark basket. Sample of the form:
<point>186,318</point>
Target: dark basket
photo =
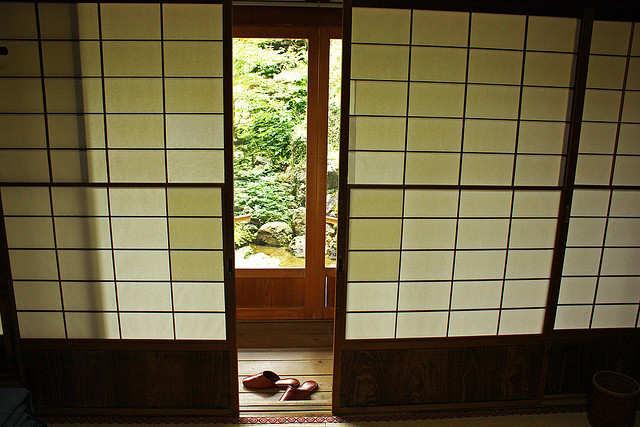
<point>613,400</point>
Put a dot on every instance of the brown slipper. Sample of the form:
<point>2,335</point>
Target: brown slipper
<point>300,393</point>
<point>269,380</point>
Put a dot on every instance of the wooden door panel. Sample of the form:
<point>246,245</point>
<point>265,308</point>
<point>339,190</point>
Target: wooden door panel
<point>270,292</point>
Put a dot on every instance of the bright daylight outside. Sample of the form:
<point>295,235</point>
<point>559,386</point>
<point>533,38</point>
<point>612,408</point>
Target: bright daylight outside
<point>270,152</point>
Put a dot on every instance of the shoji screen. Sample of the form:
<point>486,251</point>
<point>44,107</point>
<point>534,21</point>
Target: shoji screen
<point>112,168</point>
<point>457,141</point>
<point>600,286</point>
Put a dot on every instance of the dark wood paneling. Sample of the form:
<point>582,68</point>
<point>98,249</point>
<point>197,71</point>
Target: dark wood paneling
<point>128,379</point>
<point>572,363</point>
<point>431,376</point>
<point>287,16</point>
<point>618,10</point>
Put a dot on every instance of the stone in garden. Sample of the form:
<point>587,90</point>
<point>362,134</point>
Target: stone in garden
<point>274,234</point>
<point>333,176</point>
<point>297,246</point>
<point>299,221</point>
<point>332,205</point>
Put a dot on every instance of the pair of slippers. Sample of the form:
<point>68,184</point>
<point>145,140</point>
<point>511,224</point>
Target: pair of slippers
<point>268,380</point>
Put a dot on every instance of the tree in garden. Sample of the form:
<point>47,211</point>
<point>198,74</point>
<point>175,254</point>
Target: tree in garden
<point>270,103</point>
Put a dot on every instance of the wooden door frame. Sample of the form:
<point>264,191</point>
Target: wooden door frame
<point>318,29</point>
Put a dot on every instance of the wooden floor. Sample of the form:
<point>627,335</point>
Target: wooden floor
<point>304,364</point>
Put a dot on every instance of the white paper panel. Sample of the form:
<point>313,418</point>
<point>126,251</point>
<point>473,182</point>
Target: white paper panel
<point>428,233</point>
<point>432,168</point>
<point>92,325</point>
<point>130,21</point>
<point>467,323</point>
<point>373,266</point>
<point>372,296</point>
<point>440,28</point>
<point>479,264</point>
<point>204,21</point>
<point>193,201</point>
<point>577,290</point>
<point>375,203</point>
<point>197,266</point>
<point>513,322</point>
<point>41,325</point>
<point>199,296</point>
<point>426,265</point>
<point>424,295</point>
<point>141,265</point>
<point>377,133</point>
<point>370,325</point>
<point>525,293</point>
<point>205,326</point>
<point>22,131</point>
<point>379,62</point>
<point>26,201</point>
<point>86,264</point>
<point>371,25</point>
<point>430,203</point>
<point>375,234</point>
<point>484,294</point>
<point>144,296</point>
<point>529,264</point>
<point>98,296</point>
<point>573,317</point>
<point>57,21</point>
<point>146,325</point>
<point>37,295</point>
<point>422,325</point>
<point>614,316</point>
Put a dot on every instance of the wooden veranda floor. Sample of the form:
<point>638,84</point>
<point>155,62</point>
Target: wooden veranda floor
<point>301,363</point>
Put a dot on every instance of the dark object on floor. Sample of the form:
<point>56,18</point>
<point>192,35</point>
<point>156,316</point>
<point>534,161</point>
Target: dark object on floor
<point>613,400</point>
<point>15,408</point>
<point>269,380</point>
<point>300,393</point>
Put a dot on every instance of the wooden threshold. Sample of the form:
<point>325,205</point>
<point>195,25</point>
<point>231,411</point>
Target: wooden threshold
<point>302,363</point>
<point>284,334</point>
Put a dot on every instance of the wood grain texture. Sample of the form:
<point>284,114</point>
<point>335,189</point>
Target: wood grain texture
<point>287,16</point>
<point>572,363</point>
<point>428,376</point>
<point>286,354</point>
<point>284,334</point>
<point>270,292</point>
<point>286,368</point>
<point>260,399</point>
<point>128,379</point>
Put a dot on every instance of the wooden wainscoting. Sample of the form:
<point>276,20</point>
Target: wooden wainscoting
<point>418,378</point>
<point>125,378</point>
<point>575,357</point>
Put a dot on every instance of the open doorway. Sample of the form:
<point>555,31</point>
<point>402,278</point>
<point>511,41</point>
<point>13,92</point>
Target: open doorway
<point>286,138</point>
<point>286,131</point>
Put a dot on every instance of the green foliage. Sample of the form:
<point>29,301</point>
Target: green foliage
<point>270,97</point>
<point>267,197</point>
<point>244,233</point>
<point>335,90</point>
